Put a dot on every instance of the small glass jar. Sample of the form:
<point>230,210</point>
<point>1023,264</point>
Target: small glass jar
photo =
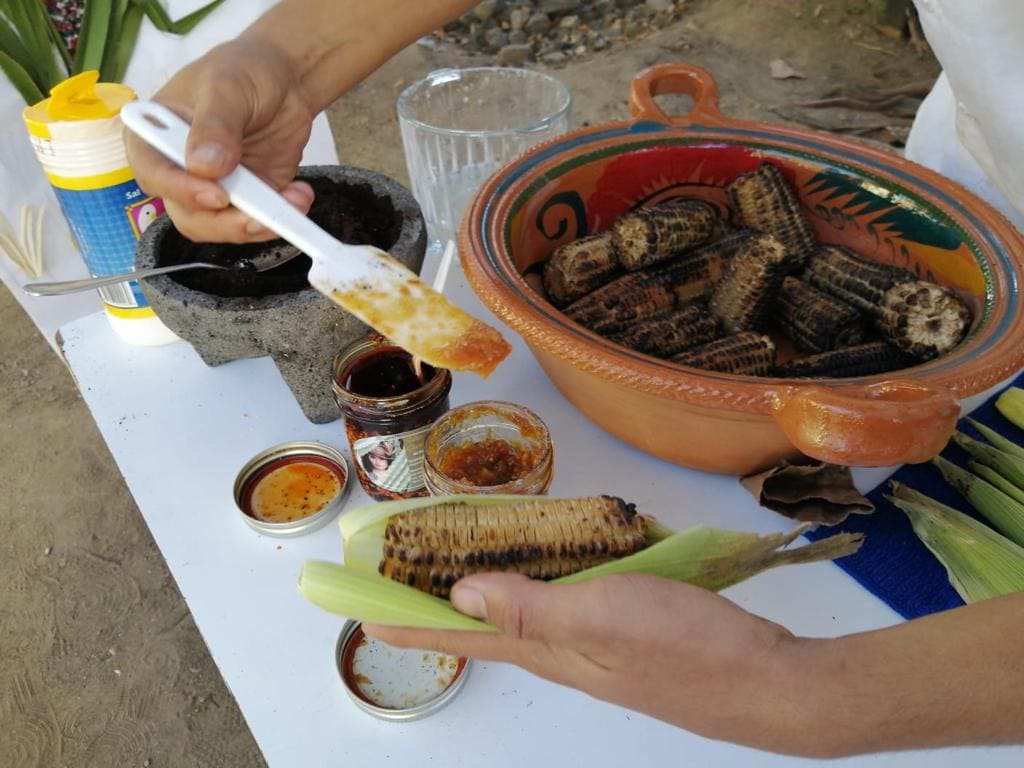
<point>488,447</point>
<point>388,407</point>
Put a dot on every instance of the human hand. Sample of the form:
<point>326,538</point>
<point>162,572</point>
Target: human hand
<point>246,106</point>
<point>668,649</point>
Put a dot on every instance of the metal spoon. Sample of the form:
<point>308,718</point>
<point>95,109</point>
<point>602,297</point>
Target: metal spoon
<point>259,263</point>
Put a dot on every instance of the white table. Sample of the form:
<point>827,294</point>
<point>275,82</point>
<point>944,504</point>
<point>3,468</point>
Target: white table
<point>179,432</point>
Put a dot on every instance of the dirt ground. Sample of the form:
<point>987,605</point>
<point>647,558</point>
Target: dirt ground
<point>100,661</point>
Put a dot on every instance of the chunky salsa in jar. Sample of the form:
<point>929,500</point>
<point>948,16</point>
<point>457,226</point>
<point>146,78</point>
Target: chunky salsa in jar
<point>488,462</point>
<point>389,403</point>
<point>488,447</point>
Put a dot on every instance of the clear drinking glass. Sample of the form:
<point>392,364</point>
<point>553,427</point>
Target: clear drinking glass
<point>460,125</point>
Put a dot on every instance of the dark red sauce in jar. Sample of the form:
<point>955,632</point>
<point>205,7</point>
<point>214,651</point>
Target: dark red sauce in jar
<point>388,409</point>
<point>386,372</point>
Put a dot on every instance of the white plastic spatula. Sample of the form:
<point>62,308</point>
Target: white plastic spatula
<point>362,279</point>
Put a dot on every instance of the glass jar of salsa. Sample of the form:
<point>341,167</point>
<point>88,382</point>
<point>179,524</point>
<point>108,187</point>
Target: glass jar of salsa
<point>388,404</point>
<point>488,447</point>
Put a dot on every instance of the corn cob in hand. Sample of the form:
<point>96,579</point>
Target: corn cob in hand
<point>577,268</point>
<point>765,202</point>
<point>649,235</point>
<point>858,360</point>
<point>742,299</point>
<point>666,335</point>
<point>433,548</point>
<point>815,321</point>
<point>748,354</point>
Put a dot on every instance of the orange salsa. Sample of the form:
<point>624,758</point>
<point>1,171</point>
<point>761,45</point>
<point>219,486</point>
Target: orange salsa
<point>487,462</point>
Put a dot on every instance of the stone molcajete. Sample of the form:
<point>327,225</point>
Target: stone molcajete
<point>236,314</point>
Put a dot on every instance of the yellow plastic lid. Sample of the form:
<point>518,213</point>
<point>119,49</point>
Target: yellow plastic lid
<point>80,97</point>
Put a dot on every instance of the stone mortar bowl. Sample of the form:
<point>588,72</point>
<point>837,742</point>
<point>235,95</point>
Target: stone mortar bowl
<point>875,202</point>
<point>230,315</point>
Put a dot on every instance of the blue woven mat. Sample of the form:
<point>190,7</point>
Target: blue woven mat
<point>893,564</point>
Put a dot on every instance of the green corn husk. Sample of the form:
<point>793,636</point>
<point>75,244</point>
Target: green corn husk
<point>1000,442</point>
<point>1011,405</point>
<point>1007,465</point>
<point>706,557</point>
<point>1001,509</point>
<point>997,480</point>
<point>980,562</point>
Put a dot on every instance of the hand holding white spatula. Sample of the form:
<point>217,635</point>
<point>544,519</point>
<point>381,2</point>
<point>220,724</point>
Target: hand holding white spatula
<point>361,278</point>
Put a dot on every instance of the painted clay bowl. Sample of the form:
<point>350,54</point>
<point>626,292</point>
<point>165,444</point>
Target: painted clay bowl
<point>869,199</point>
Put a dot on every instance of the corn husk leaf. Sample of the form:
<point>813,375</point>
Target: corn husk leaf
<point>1011,405</point>
<point>1000,509</point>
<point>997,480</point>
<point>706,557</point>
<point>1007,465</point>
<point>1000,442</point>
<point>980,562</point>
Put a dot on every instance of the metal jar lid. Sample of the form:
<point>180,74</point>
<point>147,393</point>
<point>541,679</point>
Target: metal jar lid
<point>266,467</point>
<point>391,683</point>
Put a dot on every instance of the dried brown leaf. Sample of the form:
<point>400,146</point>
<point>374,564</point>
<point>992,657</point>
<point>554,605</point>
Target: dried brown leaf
<point>813,493</point>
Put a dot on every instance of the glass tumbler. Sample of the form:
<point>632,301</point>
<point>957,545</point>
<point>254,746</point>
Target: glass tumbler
<point>460,125</point>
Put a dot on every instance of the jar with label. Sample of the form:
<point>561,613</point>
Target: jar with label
<point>388,404</point>
<point>488,447</point>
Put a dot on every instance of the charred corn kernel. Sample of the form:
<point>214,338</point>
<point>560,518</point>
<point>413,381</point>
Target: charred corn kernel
<point>766,203</point>
<point>625,300</point>
<point>639,296</point>
<point>749,354</point>
<point>859,360</point>
<point>649,235</point>
<point>750,284</point>
<point>857,281</point>
<point>433,548</point>
<point>815,321</point>
<point>577,268</point>
<point>671,333</point>
<point>924,319</point>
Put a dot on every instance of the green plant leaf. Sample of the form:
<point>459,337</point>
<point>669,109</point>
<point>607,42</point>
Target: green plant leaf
<point>125,44</point>
<point>155,12</point>
<point>20,79</point>
<point>57,40</point>
<point>31,21</point>
<point>92,37</point>
<point>14,48</point>
<point>185,24</point>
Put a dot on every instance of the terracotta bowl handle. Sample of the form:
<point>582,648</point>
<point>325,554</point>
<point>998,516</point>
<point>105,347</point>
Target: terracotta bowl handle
<point>892,422</point>
<point>686,79</point>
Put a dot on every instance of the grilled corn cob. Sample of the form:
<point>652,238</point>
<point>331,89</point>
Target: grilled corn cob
<point>577,268</point>
<point>859,282</point>
<point>766,203</point>
<point>859,360</point>
<point>746,353</point>
<point>924,319</point>
<point>649,235</point>
<point>651,292</point>
<point>816,321</point>
<point>671,333</point>
<point>432,548</point>
<point>741,300</point>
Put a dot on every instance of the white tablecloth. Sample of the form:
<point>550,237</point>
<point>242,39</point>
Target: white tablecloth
<point>179,432</point>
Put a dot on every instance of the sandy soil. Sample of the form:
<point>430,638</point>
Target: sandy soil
<point>100,661</point>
